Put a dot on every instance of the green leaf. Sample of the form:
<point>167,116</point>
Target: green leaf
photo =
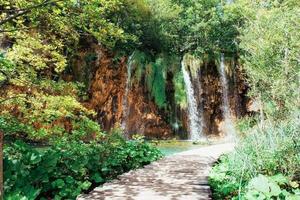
<point>293,197</point>
<point>86,185</point>
<point>254,195</point>
<point>70,180</point>
<point>35,158</point>
<point>260,183</point>
<point>59,183</point>
<point>97,178</point>
<point>31,192</point>
<point>265,185</point>
<point>280,179</point>
<point>274,189</point>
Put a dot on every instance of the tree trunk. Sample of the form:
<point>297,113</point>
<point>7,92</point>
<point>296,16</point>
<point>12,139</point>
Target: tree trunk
<point>1,165</point>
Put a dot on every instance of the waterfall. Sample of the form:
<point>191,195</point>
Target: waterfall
<point>126,111</point>
<point>228,124</point>
<point>195,125</point>
<point>201,108</point>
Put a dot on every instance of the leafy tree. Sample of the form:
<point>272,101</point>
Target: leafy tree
<point>207,27</point>
<point>271,57</point>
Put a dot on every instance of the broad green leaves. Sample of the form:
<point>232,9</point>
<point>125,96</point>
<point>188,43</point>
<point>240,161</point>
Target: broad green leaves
<point>64,170</point>
<point>265,188</point>
<point>261,187</point>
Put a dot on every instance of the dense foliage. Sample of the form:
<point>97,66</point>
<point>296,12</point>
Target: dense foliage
<point>66,169</point>
<point>272,152</point>
<point>272,64</point>
<point>63,22</point>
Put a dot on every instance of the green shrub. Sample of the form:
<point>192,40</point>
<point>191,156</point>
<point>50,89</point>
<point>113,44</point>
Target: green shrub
<point>262,187</point>
<point>223,183</point>
<point>66,169</point>
<point>46,117</point>
<point>271,151</point>
<point>275,149</point>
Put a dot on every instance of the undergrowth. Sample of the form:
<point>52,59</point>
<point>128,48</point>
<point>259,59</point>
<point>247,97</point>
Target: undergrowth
<point>66,169</point>
<point>264,165</point>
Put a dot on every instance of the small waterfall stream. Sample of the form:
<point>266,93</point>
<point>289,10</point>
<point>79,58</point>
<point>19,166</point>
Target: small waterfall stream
<point>195,124</point>
<point>228,124</point>
<point>200,100</point>
<point>126,110</point>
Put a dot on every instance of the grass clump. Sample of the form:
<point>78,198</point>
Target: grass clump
<point>261,156</point>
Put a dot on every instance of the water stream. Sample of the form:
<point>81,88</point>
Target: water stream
<point>228,124</point>
<point>126,111</point>
<point>195,125</point>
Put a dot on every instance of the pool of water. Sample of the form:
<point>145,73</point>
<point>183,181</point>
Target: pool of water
<point>170,147</point>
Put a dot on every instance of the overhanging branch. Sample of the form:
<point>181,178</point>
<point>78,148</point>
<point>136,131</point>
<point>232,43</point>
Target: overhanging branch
<point>26,11</point>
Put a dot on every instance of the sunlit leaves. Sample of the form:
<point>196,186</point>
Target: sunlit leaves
<point>68,168</point>
<point>271,45</point>
<point>31,56</point>
<point>46,112</point>
<point>262,187</point>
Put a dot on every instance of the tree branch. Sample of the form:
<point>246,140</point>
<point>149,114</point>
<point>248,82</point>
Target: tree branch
<point>27,10</point>
<point>17,29</point>
<point>1,165</point>
<point>10,98</point>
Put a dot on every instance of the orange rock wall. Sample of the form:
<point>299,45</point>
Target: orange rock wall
<point>106,80</point>
<point>107,93</point>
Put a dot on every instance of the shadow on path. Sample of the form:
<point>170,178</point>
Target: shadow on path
<point>183,176</point>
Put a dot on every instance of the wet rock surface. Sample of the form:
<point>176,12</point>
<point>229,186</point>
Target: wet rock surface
<point>183,176</point>
<point>106,79</point>
<point>210,96</point>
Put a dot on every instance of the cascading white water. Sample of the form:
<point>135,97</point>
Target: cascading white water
<point>200,90</point>
<point>126,111</point>
<point>195,125</point>
<point>228,124</point>
<point>226,109</point>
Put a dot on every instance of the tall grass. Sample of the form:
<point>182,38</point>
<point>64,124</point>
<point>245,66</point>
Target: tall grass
<point>270,151</point>
<point>273,149</point>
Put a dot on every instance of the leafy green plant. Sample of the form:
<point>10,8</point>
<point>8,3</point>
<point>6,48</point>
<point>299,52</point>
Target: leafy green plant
<point>223,183</point>
<point>263,188</point>
<point>66,169</point>
<point>267,154</point>
<point>47,117</point>
<point>273,152</point>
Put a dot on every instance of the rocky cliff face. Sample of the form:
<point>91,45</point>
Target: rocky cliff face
<point>106,79</point>
<point>210,97</point>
